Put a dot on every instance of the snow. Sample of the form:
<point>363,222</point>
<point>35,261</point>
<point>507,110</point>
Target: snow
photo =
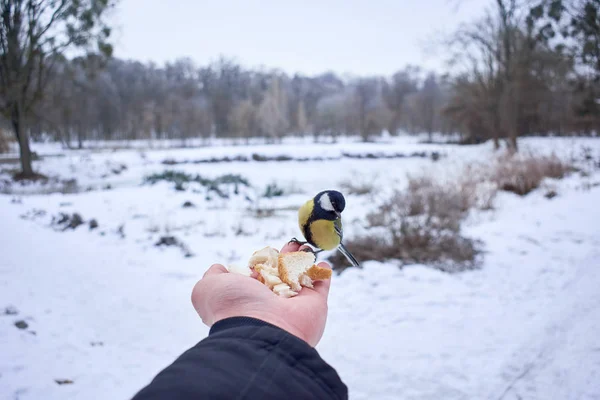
<point>108,311</point>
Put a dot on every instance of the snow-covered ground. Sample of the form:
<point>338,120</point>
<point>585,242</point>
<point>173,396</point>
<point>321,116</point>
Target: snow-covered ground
<point>107,309</point>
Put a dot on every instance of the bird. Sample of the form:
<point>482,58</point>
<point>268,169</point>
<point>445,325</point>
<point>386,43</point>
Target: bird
<point>320,220</point>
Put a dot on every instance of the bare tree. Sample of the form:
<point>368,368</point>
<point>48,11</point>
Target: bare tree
<point>33,35</point>
<point>3,142</point>
<point>402,84</point>
<point>370,110</point>
<point>272,113</point>
<point>513,83</point>
<point>243,119</point>
<point>222,83</point>
<point>301,121</point>
<point>336,115</point>
<point>501,54</point>
<point>429,100</point>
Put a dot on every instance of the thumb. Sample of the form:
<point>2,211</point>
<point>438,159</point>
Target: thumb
<point>322,287</point>
<point>215,269</point>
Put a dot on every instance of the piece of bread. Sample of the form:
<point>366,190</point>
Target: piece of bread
<point>286,273</point>
<point>266,256</point>
<point>317,273</point>
<point>284,290</point>
<point>292,266</point>
<point>264,262</point>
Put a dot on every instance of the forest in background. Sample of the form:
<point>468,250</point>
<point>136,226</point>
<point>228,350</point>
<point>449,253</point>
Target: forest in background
<point>519,70</point>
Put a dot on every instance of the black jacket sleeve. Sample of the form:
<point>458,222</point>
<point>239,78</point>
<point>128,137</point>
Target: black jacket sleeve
<point>246,358</point>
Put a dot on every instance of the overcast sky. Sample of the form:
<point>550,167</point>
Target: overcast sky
<point>359,37</point>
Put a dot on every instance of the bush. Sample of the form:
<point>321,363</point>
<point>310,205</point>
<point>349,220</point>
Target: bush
<point>357,185</point>
<point>65,221</point>
<point>181,180</point>
<point>475,189</point>
<point>522,174</point>
<point>169,241</point>
<point>418,226</point>
<point>169,176</point>
<point>423,223</point>
<point>273,190</point>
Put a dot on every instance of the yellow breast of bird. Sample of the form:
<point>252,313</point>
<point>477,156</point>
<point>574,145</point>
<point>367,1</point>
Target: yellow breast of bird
<point>304,214</point>
<point>324,235</point>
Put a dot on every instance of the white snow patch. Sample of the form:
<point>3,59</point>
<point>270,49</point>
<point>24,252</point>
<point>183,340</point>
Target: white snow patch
<point>108,309</point>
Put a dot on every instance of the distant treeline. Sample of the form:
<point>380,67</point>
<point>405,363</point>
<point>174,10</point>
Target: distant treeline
<point>515,78</point>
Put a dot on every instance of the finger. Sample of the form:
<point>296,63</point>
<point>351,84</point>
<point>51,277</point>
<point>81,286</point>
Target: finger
<point>215,269</point>
<point>322,287</point>
<point>289,247</point>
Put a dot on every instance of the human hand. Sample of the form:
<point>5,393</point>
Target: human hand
<point>221,294</point>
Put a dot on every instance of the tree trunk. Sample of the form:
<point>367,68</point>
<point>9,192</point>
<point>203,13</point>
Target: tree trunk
<point>3,143</point>
<point>67,138</point>
<point>513,118</point>
<point>394,124</point>
<point>496,141</point>
<point>23,139</point>
<point>512,143</point>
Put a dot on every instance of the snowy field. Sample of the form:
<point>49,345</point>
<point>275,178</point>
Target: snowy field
<point>107,309</point>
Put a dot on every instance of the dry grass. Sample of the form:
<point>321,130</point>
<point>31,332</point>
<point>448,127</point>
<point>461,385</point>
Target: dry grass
<point>358,185</point>
<point>522,174</point>
<point>422,224</point>
<point>419,226</point>
<point>475,189</point>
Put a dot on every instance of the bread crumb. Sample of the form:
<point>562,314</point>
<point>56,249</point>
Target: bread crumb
<point>286,273</point>
<point>236,269</point>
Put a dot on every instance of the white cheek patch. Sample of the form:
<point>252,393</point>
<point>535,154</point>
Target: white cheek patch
<point>325,202</point>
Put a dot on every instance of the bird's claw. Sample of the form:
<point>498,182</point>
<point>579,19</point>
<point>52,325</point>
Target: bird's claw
<point>306,247</point>
<point>296,241</point>
<point>309,249</point>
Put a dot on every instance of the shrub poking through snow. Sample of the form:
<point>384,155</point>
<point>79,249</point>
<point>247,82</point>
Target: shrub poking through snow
<point>169,176</point>
<point>421,225</point>
<point>66,221</point>
<point>273,190</point>
<point>10,310</point>
<point>223,186</point>
<point>169,241</point>
<point>434,155</point>
<point>522,174</point>
<point>21,324</point>
<point>358,185</point>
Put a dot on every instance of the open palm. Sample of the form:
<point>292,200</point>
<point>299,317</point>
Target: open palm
<point>220,294</point>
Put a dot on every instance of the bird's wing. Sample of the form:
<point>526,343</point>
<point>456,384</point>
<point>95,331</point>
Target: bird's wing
<point>338,228</point>
<point>304,215</point>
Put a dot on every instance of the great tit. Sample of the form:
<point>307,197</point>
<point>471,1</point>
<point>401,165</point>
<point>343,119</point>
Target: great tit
<point>320,220</point>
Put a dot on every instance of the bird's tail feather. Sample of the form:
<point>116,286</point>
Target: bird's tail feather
<point>348,255</point>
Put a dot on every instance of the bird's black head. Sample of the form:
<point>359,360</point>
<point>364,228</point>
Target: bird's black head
<point>329,204</point>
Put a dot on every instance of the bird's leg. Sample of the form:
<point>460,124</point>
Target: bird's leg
<point>296,241</point>
<point>315,252</point>
<point>306,247</point>
<point>309,249</point>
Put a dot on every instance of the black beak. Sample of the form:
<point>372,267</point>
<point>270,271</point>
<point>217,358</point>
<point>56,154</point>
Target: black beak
<point>338,214</point>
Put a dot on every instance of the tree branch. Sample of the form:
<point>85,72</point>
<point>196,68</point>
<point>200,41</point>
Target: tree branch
<point>53,18</point>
